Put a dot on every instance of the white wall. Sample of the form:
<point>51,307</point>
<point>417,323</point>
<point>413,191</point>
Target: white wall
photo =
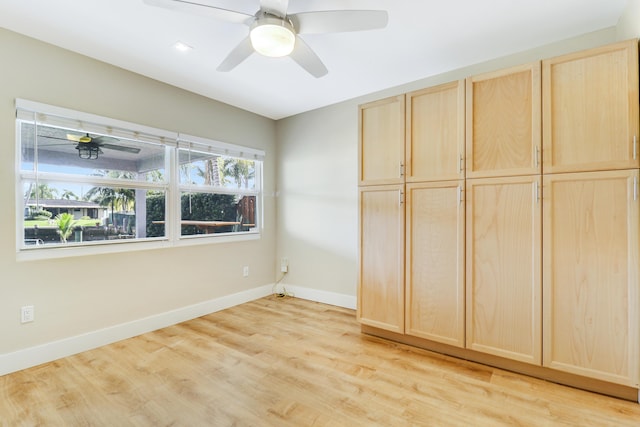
<point>82,295</point>
<point>317,176</point>
<point>629,23</point>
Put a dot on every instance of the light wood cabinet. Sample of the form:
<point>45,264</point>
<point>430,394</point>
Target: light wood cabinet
<point>381,148</point>
<point>590,109</point>
<point>381,269</point>
<point>503,295</point>
<point>435,261</point>
<point>591,322</point>
<point>503,122</point>
<point>474,274</point>
<point>435,133</point>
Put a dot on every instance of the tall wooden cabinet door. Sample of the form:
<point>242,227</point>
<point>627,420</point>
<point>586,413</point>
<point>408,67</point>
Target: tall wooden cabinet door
<point>504,122</point>
<point>591,275</point>
<point>435,133</point>
<point>590,110</point>
<point>381,148</point>
<point>381,269</point>
<point>435,262</point>
<point>504,267</point>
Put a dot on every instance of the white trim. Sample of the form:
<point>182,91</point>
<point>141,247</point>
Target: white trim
<point>32,356</point>
<point>198,143</point>
<point>331,298</point>
<point>100,247</point>
<point>95,123</point>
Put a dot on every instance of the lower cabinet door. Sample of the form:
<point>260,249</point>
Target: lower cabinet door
<point>435,262</point>
<point>381,266</point>
<point>590,279</point>
<point>503,286</point>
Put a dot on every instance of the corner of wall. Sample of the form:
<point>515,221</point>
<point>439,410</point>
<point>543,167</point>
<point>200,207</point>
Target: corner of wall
<point>628,26</point>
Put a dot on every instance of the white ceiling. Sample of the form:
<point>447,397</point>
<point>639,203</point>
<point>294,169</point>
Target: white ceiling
<point>423,38</point>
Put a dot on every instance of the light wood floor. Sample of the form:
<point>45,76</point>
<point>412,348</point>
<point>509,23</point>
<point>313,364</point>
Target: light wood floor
<point>287,362</point>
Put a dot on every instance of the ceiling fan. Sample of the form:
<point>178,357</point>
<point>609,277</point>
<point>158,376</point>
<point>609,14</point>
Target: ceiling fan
<point>274,33</point>
<point>90,147</point>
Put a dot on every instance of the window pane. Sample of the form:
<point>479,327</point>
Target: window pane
<point>87,179</point>
<point>57,213</point>
<point>61,150</point>
<point>209,213</point>
<point>214,170</point>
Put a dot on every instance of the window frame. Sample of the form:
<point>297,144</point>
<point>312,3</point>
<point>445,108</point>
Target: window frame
<point>171,186</point>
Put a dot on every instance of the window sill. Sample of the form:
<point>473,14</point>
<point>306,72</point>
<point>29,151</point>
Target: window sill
<point>129,246</point>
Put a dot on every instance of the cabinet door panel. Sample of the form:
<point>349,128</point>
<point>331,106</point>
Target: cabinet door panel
<point>503,122</point>
<point>435,133</point>
<point>591,275</point>
<point>503,267</point>
<point>381,149</point>
<point>381,270</point>
<point>591,109</point>
<point>435,262</point>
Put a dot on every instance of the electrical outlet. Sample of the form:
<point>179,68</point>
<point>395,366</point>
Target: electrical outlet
<point>284,265</point>
<point>245,271</point>
<point>26,314</point>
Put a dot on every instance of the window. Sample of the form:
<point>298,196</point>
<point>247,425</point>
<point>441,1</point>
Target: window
<point>218,191</point>
<point>86,180</point>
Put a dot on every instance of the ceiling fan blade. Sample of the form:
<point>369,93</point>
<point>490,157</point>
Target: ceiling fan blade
<point>339,21</point>
<point>80,138</point>
<point>202,10</point>
<point>237,55</point>
<point>73,137</point>
<point>120,148</point>
<point>101,139</point>
<point>54,137</point>
<point>307,59</point>
<point>277,7</point>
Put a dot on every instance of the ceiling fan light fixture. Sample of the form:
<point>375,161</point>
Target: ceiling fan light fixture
<point>88,152</point>
<point>272,36</point>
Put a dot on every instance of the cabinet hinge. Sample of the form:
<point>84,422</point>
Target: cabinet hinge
<point>460,164</point>
<point>401,169</point>
<point>401,197</point>
<point>536,157</point>
<point>537,192</point>
<point>459,194</point>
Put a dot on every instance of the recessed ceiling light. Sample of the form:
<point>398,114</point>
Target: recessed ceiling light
<point>182,47</point>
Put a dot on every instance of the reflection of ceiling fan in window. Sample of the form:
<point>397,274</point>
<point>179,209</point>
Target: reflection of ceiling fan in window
<point>90,147</point>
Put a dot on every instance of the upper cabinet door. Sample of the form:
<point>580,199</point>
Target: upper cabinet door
<point>381,151</point>
<point>503,122</point>
<point>435,133</point>
<point>591,109</point>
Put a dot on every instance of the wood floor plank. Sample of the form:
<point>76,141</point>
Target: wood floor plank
<point>287,362</point>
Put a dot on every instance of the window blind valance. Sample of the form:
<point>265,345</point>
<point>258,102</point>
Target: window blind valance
<point>50,115</point>
<point>195,143</point>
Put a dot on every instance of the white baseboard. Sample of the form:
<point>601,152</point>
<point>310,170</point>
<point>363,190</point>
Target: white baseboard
<point>33,356</point>
<point>332,298</point>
